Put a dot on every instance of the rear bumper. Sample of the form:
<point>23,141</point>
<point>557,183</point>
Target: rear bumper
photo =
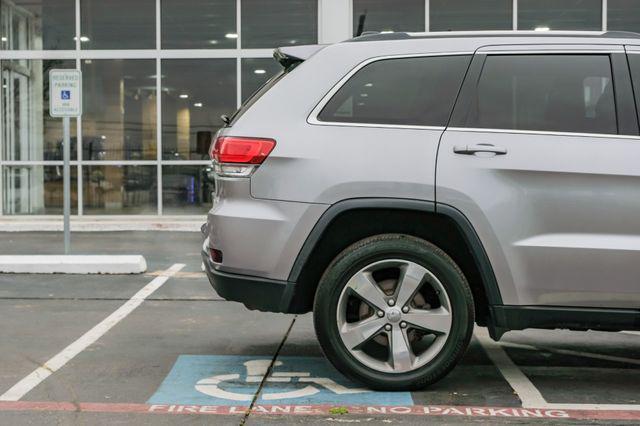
<point>255,293</point>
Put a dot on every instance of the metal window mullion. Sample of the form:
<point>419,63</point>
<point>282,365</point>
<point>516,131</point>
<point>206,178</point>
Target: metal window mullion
<point>605,14</point>
<point>159,108</point>
<point>79,144</point>
<point>427,16</point>
<point>514,16</point>
<point>238,51</point>
<point>1,136</point>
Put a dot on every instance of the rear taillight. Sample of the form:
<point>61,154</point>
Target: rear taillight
<point>239,156</point>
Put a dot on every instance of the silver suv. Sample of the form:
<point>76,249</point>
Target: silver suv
<point>404,186</point>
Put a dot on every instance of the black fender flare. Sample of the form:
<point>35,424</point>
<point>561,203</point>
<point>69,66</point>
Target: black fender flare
<point>464,225</point>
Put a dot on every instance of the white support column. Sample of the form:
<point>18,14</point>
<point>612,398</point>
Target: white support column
<point>515,15</point>
<point>238,50</point>
<point>335,20</point>
<point>605,8</point>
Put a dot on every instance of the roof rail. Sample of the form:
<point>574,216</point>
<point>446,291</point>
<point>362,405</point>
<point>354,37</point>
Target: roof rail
<point>381,36</point>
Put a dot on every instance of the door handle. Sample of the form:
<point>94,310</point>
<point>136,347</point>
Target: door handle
<point>479,148</point>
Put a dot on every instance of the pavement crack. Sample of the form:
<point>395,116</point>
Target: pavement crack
<point>268,373</point>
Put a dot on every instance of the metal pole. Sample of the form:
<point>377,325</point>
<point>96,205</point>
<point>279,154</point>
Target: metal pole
<point>66,141</point>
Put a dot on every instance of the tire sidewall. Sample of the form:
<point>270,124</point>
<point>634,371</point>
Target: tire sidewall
<point>383,247</point>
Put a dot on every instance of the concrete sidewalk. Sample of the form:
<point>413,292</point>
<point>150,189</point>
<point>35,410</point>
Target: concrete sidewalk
<point>102,223</point>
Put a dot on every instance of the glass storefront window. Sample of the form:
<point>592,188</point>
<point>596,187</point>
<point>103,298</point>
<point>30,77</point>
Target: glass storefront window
<point>256,72</point>
<point>28,133</point>
<point>388,15</point>
<point>118,24</point>
<point>37,24</point>
<point>623,15</point>
<point>36,190</point>
<point>199,24</point>
<point>120,189</point>
<point>273,23</point>
<point>560,15</point>
<point>186,189</point>
<point>470,15</point>
<point>119,120</point>
<point>195,93</point>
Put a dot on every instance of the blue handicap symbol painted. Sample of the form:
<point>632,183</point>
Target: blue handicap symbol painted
<point>234,380</point>
<point>65,95</point>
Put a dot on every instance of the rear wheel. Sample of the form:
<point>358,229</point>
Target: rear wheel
<point>393,312</point>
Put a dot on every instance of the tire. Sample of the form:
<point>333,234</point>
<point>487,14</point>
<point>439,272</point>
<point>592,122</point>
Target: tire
<point>338,300</point>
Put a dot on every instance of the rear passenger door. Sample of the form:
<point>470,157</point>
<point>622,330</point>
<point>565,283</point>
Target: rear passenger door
<point>543,157</point>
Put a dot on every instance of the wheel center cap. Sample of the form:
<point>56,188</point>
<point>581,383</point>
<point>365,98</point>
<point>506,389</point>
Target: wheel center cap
<point>394,314</point>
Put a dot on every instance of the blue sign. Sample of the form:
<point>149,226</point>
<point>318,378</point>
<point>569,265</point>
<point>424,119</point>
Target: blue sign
<point>65,95</point>
<point>231,380</point>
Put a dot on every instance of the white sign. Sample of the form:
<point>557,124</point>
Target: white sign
<point>65,93</point>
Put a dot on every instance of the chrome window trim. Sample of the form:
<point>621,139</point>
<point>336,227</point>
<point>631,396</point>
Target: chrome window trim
<point>312,118</point>
<point>542,133</point>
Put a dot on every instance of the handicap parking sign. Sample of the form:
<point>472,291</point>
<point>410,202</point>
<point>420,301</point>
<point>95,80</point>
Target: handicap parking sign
<point>228,380</point>
<point>65,95</point>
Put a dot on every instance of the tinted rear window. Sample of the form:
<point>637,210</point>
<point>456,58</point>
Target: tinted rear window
<point>634,63</point>
<point>562,93</point>
<point>405,91</point>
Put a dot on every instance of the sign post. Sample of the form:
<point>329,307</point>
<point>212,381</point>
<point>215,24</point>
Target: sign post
<point>65,100</point>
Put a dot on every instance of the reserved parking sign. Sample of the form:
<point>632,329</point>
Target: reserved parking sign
<point>65,93</point>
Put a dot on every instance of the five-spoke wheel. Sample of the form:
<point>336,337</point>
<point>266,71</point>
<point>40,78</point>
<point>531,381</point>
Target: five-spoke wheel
<point>394,312</point>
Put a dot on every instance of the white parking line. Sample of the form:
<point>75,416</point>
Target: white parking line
<point>25,385</point>
<point>519,382</point>
<point>524,388</point>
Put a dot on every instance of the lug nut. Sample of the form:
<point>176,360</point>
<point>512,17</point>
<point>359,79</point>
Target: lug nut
<point>391,302</point>
<point>403,324</point>
<point>405,309</point>
<point>380,314</point>
<point>387,327</point>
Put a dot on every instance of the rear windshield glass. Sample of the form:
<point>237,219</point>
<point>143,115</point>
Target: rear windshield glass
<point>257,95</point>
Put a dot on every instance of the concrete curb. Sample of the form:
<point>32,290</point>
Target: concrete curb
<point>72,264</point>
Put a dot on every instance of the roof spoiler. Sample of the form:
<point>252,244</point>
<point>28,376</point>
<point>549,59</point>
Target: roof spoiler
<point>293,55</point>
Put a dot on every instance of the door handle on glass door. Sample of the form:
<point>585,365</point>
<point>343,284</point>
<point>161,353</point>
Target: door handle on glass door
<point>479,148</point>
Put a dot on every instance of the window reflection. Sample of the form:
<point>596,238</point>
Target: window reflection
<point>36,190</point>
<point>37,24</point>
<point>119,102</point>
<point>388,15</point>
<point>470,15</point>
<point>186,189</point>
<point>545,15</point>
<point>120,189</point>
<point>195,93</point>
<point>27,130</point>
<point>199,24</point>
<point>256,72</point>
<point>623,15</point>
<point>279,23</point>
<point>118,24</point>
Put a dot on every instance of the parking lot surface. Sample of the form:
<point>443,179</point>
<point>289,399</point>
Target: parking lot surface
<point>163,347</point>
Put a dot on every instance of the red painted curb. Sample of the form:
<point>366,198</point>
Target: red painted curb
<point>315,410</point>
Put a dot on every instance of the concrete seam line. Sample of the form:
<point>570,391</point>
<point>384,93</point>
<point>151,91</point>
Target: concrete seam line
<point>268,373</point>
<point>591,355</point>
<point>519,382</point>
<point>25,385</point>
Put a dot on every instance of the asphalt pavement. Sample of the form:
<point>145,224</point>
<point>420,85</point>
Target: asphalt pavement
<point>162,347</point>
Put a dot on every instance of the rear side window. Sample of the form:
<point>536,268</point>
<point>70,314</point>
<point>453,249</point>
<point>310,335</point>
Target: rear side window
<point>561,93</point>
<point>405,91</point>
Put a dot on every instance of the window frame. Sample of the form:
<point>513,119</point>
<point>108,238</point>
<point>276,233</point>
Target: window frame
<point>315,112</point>
<point>627,127</point>
<point>634,50</point>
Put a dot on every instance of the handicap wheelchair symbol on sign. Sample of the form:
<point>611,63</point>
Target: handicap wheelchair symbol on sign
<point>234,380</point>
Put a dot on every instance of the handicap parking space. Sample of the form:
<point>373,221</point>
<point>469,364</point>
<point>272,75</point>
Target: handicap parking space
<point>182,353</point>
